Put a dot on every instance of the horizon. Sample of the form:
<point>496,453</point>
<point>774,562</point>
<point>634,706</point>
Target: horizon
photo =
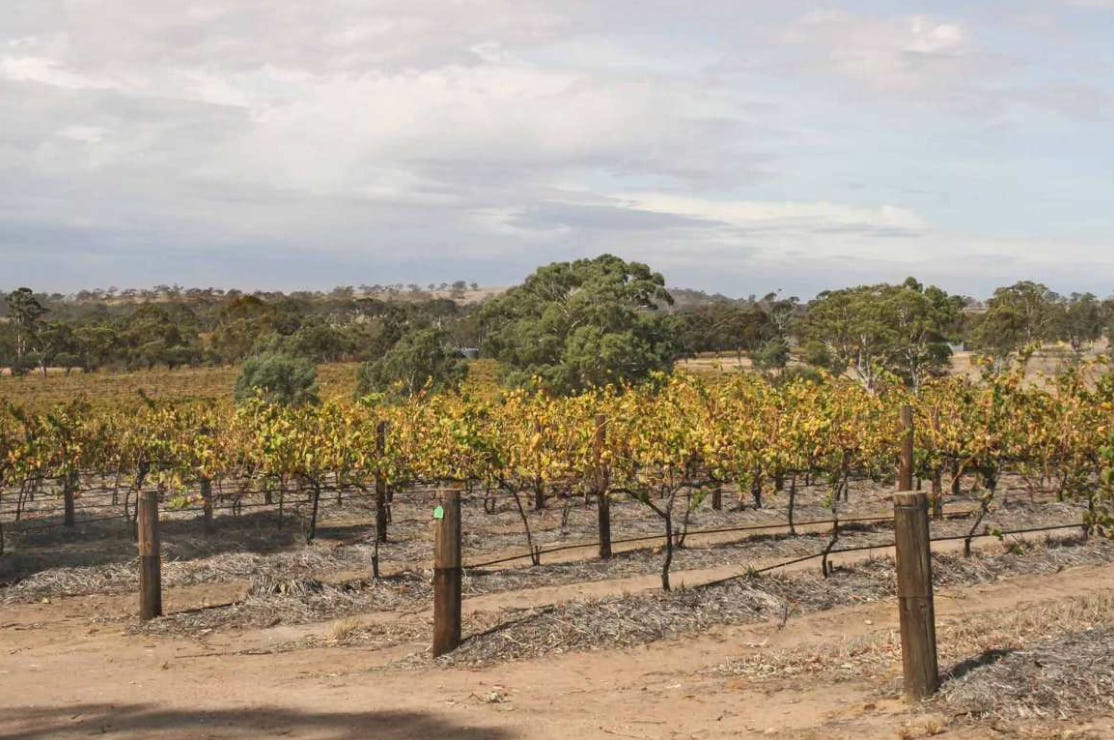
<point>387,287</point>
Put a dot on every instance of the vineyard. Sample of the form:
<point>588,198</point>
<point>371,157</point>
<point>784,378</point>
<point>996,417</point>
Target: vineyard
<point>694,483</point>
<point>669,445</point>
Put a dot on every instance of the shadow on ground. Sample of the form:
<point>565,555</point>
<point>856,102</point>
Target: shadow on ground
<point>961,669</point>
<point>112,541</point>
<point>144,720</point>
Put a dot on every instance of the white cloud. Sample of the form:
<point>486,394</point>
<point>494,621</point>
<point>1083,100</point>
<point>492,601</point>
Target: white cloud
<point>730,138</point>
<point>891,54</point>
<point>50,72</point>
<point>86,134</point>
<point>823,216</point>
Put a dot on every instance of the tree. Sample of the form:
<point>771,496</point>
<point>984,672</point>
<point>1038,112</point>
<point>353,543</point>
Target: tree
<point>240,325</point>
<point>58,346</point>
<point>281,380</point>
<point>572,325</point>
<point>24,310</point>
<point>772,355</point>
<point>98,344</point>
<point>1020,315</point>
<point>780,313</point>
<point>317,341</point>
<point>1080,320</point>
<point>723,326</point>
<point>901,329</point>
<point>155,334</point>
<point>1108,324</point>
<point>420,360</point>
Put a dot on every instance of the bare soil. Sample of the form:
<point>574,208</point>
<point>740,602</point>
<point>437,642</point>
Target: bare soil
<point>64,673</point>
<point>265,635</point>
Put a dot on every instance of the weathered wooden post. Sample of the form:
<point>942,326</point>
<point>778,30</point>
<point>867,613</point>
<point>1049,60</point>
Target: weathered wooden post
<point>602,499</point>
<point>905,471</point>
<point>207,504</point>
<point>150,562</point>
<point>68,489</point>
<point>446,574</point>
<point>380,483</point>
<point>914,577</point>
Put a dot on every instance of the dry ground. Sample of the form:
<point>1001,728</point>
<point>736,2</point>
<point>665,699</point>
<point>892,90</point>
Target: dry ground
<point>80,665</point>
<point>265,635</point>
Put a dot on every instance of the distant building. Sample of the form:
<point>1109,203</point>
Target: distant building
<point>470,353</point>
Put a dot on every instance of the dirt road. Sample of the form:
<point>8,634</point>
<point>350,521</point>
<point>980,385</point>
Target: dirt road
<point>67,672</point>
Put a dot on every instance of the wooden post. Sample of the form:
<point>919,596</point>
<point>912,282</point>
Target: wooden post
<point>905,472</point>
<point>602,499</point>
<point>446,575</point>
<point>150,577</point>
<point>914,595</point>
<point>207,504</point>
<point>380,484</point>
<point>69,486</point>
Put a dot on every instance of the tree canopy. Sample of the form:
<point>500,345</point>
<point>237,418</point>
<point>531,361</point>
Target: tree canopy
<point>572,325</point>
<point>420,360</point>
<point>278,379</point>
<point>901,329</point>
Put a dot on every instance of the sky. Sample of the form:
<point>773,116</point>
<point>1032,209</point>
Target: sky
<point>737,147</point>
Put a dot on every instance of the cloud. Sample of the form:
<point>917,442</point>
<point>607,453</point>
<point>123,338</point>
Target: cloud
<point>1103,4</point>
<point>49,72</point>
<point>911,55</point>
<point>816,217</point>
<point>737,143</point>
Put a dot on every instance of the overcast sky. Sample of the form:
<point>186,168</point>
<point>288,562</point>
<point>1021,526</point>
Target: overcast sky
<point>736,146</point>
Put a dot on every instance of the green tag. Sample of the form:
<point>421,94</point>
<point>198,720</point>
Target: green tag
<point>439,513</point>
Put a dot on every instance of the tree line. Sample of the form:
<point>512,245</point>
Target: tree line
<point>569,326</point>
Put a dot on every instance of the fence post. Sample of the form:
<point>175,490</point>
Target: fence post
<point>207,504</point>
<point>380,484</point>
<point>446,574</point>
<point>68,488</point>
<point>905,471</point>
<point>150,577</point>
<point>602,499</point>
<point>914,590</point>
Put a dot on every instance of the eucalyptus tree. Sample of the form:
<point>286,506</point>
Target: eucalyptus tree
<point>870,330</point>
<point>574,325</point>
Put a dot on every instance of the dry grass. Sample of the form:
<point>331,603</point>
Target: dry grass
<point>1069,675</point>
<point>637,619</point>
<point>336,380</point>
<point>277,599</point>
<point>1019,672</point>
<point>122,577</point>
<point>344,630</point>
<point>876,654</point>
